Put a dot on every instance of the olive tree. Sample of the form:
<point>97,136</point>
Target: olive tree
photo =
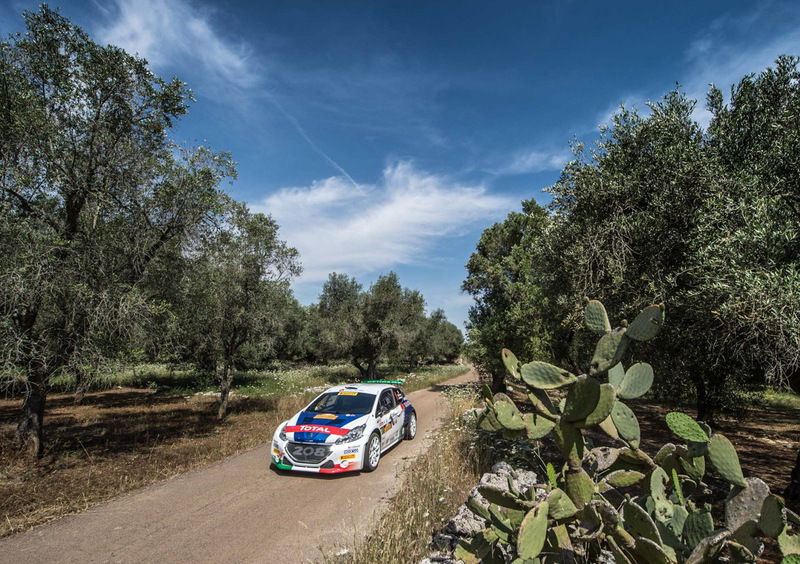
<point>92,196</point>
<point>237,291</point>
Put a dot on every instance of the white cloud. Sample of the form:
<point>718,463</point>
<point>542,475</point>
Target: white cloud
<point>630,102</point>
<point>717,59</point>
<point>337,227</point>
<point>528,161</point>
<point>176,33</point>
<point>727,50</point>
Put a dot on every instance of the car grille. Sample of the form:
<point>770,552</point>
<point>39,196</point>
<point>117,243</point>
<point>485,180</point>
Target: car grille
<point>308,453</point>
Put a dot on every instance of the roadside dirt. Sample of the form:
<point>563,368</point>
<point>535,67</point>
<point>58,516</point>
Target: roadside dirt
<point>237,510</point>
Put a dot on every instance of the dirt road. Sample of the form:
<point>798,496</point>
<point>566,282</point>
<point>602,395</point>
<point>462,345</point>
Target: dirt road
<point>237,510</point>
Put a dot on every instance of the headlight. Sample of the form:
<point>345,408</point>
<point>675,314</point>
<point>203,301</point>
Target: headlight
<point>353,435</point>
<point>282,434</point>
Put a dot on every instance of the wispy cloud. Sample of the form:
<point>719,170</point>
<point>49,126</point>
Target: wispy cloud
<point>528,161</point>
<point>397,221</point>
<point>726,51</point>
<point>178,34</point>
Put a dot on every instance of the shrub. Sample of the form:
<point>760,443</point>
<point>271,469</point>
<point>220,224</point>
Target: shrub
<point>619,500</point>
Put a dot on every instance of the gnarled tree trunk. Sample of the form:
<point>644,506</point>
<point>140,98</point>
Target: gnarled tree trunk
<point>225,389</point>
<point>792,493</point>
<point>30,429</point>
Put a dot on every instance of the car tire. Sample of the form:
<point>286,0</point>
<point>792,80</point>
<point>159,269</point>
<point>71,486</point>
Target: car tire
<point>372,453</point>
<point>411,427</point>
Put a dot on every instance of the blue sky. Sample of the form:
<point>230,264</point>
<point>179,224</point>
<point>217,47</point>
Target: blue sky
<point>386,135</point>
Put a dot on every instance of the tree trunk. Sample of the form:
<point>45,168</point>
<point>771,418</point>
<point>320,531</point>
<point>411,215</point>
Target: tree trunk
<point>705,411</point>
<point>498,382</point>
<point>361,369</point>
<point>81,383</point>
<point>792,493</point>
<point>30,429</point>
<point>372,370</point>
<point>225,389</point>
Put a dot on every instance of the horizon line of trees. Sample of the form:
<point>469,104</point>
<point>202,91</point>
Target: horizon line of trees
<point>114,240</point>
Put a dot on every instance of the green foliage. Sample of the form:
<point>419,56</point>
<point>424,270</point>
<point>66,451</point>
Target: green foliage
<point>501,277</point>
<point>92,182</point>
<point>618,499</point>
<point>663,210</point>
<point>385,322</point>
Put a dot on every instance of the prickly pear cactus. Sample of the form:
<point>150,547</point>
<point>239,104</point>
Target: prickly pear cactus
<point>617,499</point>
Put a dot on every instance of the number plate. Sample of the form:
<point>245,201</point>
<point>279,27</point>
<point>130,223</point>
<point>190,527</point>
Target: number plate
<point>308,453</point>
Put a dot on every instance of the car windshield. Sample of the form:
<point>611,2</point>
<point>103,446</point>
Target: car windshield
<point>344,401</point>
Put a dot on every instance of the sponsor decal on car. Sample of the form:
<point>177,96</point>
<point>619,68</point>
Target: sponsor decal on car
<point>276,452</point>
<point>386,428</point>
<point>347,457</point>
<point>351,450</point>
<point>317,429</point>
<point>345,393</point>
<point>325,416</point>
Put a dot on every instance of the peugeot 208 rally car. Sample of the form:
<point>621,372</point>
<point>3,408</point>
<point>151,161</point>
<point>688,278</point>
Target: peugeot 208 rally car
<point>346,428</point>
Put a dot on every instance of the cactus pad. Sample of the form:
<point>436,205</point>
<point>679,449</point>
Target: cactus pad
<point>771,520</point>
<point>542,402</point>
<point>509,416</point>
<point>570,442</point>
<point>698,525</point>
<point>579,486</point>
<point>626,423</point>
<point>605,404</point>
<point>532,532</point>
<point>615,375</point>
<point>477,508</point>
<point>537,426</point>
<point>561,506</point>
<point>685,427</point>
<point>551,475</point>
<point>624,478</point>
<point>609,351</point>
<point>501,498</point>
<point>647,324</point>
<point>607,425</point>
<point>652,552</point>
<point>545,376</point>
<point>745,504</point>
<point>637,381</point>
<point>511,363</point>
<point>638,522</point>
<point>723,457</point>
<point>582,398</point>
<point>596,318</point>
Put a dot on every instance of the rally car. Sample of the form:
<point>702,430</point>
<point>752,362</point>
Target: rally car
<point>345,428</point>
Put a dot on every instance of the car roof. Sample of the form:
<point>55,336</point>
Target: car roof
<point>368,388</point>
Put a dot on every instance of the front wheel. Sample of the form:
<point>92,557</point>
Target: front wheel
<point>411,427</point>
<point>373,454</point>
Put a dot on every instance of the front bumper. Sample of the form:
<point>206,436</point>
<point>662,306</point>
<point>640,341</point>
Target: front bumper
<point>348,457</point>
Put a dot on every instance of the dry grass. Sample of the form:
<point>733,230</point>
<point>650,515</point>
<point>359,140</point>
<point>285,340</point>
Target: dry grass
<point>430,494</point>
<point>122,439</point>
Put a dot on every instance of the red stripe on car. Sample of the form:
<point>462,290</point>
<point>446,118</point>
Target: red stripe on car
<point>316,429</point>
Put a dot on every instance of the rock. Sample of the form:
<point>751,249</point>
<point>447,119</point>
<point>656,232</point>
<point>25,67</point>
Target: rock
<point>443,542</point>
<point>465,523</point>
<point>472,415</point>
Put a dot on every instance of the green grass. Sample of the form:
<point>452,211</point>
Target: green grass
<point>280,380</point>
<point>781,400</point>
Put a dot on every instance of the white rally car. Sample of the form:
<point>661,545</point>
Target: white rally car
<point>345,428</point>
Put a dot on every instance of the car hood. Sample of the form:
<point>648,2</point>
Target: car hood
<point>308,427</point>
